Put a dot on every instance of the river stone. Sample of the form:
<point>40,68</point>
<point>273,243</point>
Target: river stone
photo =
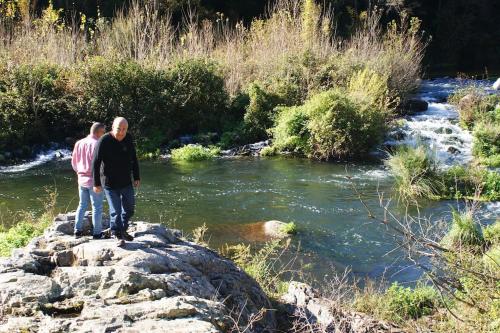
<point>274,229</point>
<point>303,304</point>
<point>496,85</point>
<point>159,282</point>
<point>414,105</point>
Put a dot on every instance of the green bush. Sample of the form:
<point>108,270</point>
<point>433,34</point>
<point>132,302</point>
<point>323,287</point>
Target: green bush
<point>127,89</point>
<point>404,303</point>
<point>197,96</point>
<point>491,259</point>
<point>260,111</point>
<point>491,233</point>
<point>415,173</point>
<point>268,151</point>
<point>340,127</point>
<point>464,231</point>
<point>192,153</point>
<point>487,142</point>
<point>37,104</point>
<point>469,182</point>
<point>291,133</point>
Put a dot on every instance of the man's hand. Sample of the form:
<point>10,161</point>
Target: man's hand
<point>97,189</point>
<point>137,183</point>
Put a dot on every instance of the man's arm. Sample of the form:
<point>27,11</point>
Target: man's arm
<point>74,158</point>
<point>96,163</point>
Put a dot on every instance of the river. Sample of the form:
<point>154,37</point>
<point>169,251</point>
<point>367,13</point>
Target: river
<point>229,195</point>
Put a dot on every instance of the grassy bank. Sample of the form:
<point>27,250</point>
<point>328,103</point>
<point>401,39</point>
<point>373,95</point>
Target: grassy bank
<point>417,176</point>
<point>480,113</point>
<point>204,77</point>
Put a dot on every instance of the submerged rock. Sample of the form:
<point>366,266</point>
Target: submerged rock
<point>156,283</point>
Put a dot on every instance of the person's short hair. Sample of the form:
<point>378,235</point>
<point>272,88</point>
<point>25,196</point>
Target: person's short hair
<point>96,126</point>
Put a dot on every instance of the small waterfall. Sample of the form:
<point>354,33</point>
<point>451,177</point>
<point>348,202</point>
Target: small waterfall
<point>438,127</point>
<point>41,158</point>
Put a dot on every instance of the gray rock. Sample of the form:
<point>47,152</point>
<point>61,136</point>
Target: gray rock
<point>496,85</point>
<point>303,304</point>
<point>156,283</point>
<point>414,105</point>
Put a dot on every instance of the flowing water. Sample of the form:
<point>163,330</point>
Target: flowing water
<point>231,195</point>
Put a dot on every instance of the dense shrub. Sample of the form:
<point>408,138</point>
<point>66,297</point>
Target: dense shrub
<point>37,104</point>
<point>487,142</point>
<point>474,106</point>
<point>467,182</point>
<point>193,153</point>
<point>127,89</point>
<point>329,125</point>
<point>415,172</point>
<point>491,233</point>
<point>291,133</point>
<point>197,96</point>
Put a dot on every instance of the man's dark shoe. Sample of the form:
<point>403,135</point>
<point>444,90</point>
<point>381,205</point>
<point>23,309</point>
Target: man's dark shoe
<point>128,237</point>
<point>78,234</point>
<point>119,238</point>
<point>102,235</point>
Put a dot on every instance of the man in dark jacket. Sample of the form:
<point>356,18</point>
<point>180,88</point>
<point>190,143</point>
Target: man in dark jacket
<point>115,161</point>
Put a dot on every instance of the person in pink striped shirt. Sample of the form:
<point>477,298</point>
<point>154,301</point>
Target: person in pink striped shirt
<point>81,161</point>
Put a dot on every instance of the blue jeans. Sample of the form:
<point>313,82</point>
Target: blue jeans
<point>121,206</point>
<point>88,195</point>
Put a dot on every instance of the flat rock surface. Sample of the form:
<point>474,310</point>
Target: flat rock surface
<point>159,282</point>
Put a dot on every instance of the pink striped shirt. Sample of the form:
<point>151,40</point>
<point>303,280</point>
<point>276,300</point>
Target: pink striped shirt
<point>81,160</point>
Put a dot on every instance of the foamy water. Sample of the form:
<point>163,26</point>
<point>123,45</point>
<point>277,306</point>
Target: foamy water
<point>41,158</point>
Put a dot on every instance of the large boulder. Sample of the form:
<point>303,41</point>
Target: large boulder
<point>157,283</point>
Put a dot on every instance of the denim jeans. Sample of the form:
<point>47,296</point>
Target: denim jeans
<point>88,195</point>
<point>121,206</point>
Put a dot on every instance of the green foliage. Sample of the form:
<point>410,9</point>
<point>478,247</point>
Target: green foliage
<point>268,151</point>
<point>193,153</point>
<point>37,104</point>
<point>475,106</point>
<point>464,231</point>
<point>291,133</point>
<point>263,265</point>
<point>259,113</point>
<point>340,128</point>
<point>415,172</point>
<point>405,303</point>
<point>487,142</point>
<point>329,125</point>
<point>491,233</point>
<point>468,182</point>
<point>289,228</point>
<point>197,95</point>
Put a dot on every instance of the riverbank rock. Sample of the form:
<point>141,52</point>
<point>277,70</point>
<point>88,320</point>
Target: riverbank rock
<point>159,282</point>
<point>252,149</point>
<point>302,307</point>
<point>414,105</point>
<point>496,85</point>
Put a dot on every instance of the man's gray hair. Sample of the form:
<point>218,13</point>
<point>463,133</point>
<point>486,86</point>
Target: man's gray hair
<point>95,127</point>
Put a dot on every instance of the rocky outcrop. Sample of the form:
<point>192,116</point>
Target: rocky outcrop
<point>303,308</point>
<point>157,283</point>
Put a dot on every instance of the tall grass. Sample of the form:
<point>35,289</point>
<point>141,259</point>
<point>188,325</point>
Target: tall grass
<point>293,37</point>
<point>415,173</point>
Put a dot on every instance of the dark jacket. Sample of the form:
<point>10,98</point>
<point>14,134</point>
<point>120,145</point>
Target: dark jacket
<point>115,162</point>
